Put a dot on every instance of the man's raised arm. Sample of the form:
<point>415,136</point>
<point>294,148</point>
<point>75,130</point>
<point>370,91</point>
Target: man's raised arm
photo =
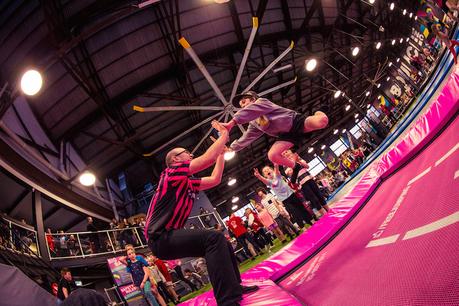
<point>210,156</point>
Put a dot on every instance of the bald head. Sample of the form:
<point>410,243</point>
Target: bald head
<point>177,155</point>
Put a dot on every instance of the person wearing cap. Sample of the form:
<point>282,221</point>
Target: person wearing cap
<point>266,117</point>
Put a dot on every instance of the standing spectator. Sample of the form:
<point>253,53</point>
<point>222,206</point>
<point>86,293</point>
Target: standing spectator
<point>158,278</point>
<point>194,278</point>
<point>201,266</point>
<point>278,212</point>
<point>267,220</point>
<point>50,241</point>
<point>63,244</point>
<point>258,229</point>
<point>72,245</point>
<point>274,180</point>
<point>236,226</point>
<point>138,267</point>
<point>165,272</point>
<point>205,217</point>
<point>93,238</point>
<point>176,265</point>
<point>66,284</point>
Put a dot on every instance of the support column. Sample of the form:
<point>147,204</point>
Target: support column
<point>37,212</point>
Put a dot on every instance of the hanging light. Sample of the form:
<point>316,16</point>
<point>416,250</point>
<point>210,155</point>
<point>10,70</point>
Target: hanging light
<point>411,15</point>
<point>323,147</point>
<point>378,45</point>
<point>87,178</point>
<point>234,199</point>
<point>398,59</point>
<point>310,150</point>
<point>355,51</point>
<point>356,116</point>
<point>401,40</point>
<point>311,64</point>
<point>335,132</point>
<point>415,17</point>
<point>368,106</point>
<point>367,93</point>
<point>229,155</point>
<point>408,39</point>
<point>392,6</point>
<point>231,181</point>
<point>390,64</point>
<point>404,12</point>
<point>372,1</point>
<point>221,1</point>
<point>379,97</point>
<point>379,85</point>
<point>31,82</point>
<point>393,42</point>
<point>343,131</point>
<point>337,94</point>
<point>388,78</point>
<point>348,107</point>
<point>234,207</point>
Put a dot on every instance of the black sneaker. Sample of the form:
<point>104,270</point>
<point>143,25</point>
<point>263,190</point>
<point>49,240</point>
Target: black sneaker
<point>249,289</point>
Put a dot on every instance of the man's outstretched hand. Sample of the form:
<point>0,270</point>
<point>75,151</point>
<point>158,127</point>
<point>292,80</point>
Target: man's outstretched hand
<point>221,129</point>
<point>228,125</point>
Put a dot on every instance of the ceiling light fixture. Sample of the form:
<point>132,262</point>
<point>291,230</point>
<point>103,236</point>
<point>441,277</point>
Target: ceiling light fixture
<point>311,64</point>
<point>337,94</point>
<point>392,6</point>
<point>343,131</point>
<point>323,147</point>
<point>87,178</point>
<point>335,132</point>
<point>234,200</point>
<point>355,51</point>
<point>378,45</point>
<point>229,155</point>
<point>393,42</point>
<point>231,181</point>
<point>348,107</point>
<point>31,82</point>
<point>310,150</point>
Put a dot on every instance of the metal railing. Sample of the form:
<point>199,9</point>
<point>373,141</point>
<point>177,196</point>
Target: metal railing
<point>87,244</point>
<point>18,237</point>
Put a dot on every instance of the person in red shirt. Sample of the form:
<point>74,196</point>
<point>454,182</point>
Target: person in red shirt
<point>170,208</point>
<point>237,227</point>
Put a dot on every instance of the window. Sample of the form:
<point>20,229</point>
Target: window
<point>374,111</point>
<point>316,166</point>
<point>356,132</point>
<point>338,147</point>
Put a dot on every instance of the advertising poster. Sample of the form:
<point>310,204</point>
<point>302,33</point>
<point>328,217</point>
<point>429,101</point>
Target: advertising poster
<point>119,272</point>
<point>132,295</point>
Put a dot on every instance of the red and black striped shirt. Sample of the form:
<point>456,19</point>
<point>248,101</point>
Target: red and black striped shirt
<point>171,204</point>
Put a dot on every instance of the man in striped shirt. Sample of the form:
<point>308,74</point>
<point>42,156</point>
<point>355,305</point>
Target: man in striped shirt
<point>170,207</point>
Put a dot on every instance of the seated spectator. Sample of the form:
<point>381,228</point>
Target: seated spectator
<point>66,284</point>
<point>194,278</point>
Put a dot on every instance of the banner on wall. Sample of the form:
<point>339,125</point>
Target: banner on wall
<point>132,295</point>
<point>119,272</point>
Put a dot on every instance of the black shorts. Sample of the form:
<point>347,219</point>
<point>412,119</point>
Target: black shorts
<point>296,133</point>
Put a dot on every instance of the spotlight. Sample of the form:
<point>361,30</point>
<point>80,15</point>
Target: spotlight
<point>390,64</point>
<point>388,78</point>
<point>378,45</point>
<point>234,200</point>
<point>398,59</point>
<point>393,42</point>
<point>231,181</point>
<point>408,39</point>
<point>343,131</point>
<point>310,150</point>
<point>31,82</point>
<point>323,147</point>
<point>311,64</point>
<point>234,207</point>
<point>229,155</point>
<point>350,100</point>
<point>87,178</point>
<point>392,6</point>
<point>379,85</point>
<point>379,97</point>
<point>367,93</point>
<point>415,17</point>
<point>372,1</point>
<point>411,15</point>
<point>348,107</point>
<point>401,40</point>
<point>355,51</point>
<point>337,94</point>
<point>368,106</point>
<point>404,12</point>
<point>356,116</point>
<point>335,132</point>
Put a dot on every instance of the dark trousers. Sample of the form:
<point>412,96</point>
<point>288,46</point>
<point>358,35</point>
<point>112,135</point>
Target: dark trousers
<point>178,271</point>
<point>312,193</point>
<point>286,226</point>
<point>263,238</point>
<point>213,246</point>
<point>297,210</point>
<point>242,241</point>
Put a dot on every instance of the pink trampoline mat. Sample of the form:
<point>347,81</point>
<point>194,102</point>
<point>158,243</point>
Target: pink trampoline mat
<point>402,248</point>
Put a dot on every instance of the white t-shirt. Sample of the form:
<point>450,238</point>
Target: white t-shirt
<point>280,188</point>
<point>268,203</point>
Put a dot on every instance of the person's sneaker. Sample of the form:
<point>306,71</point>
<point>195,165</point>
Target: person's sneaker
<point>249,289</point>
